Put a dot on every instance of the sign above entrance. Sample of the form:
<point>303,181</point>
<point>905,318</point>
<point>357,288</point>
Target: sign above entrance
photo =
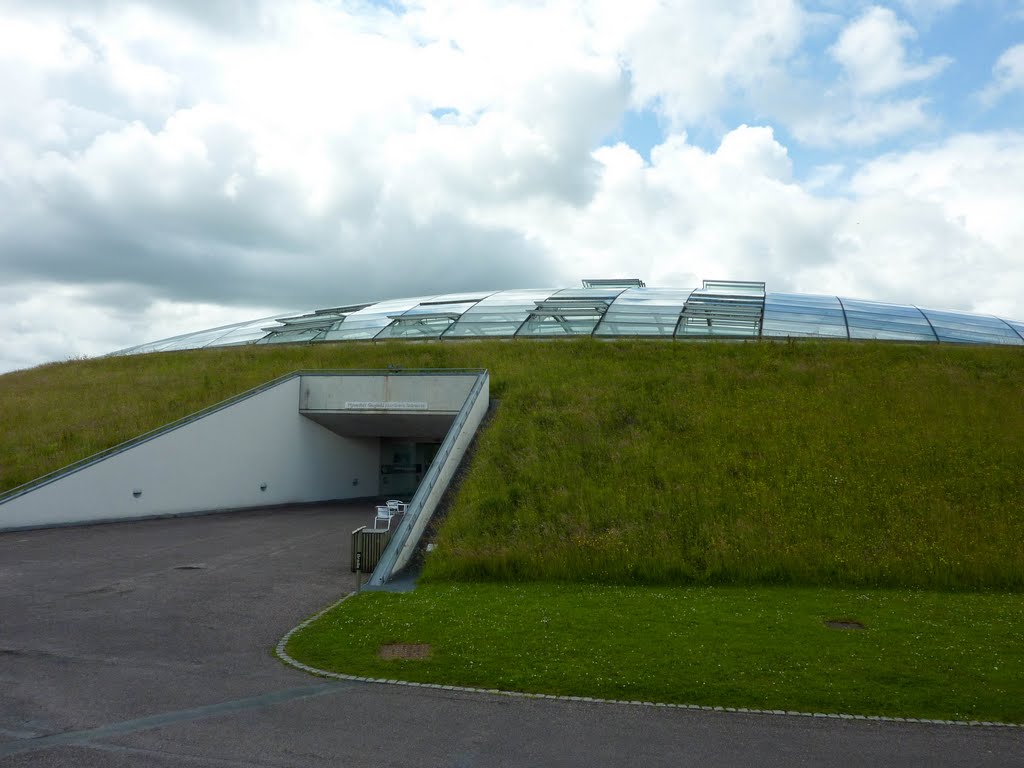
<point>385,406</point>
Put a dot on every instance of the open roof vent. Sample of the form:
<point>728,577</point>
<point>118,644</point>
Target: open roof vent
<point>723,308</point>
<point>614,282</point>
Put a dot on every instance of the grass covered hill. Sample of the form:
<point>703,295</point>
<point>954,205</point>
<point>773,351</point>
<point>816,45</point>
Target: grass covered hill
<point>809,463</point>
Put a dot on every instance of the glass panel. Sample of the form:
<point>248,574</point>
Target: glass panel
<point>971,329</point>
<point>423,328</point>
<point>644,312</point>
<point>459,298</point>
<point>360,329</point>
<point>249,333</point>
<point>893,322</point>
<point>559,325</point>
<point>696,329</point>
<point>215,337</point>
<point>723,308</point>
<point>145,349</point>
<point>624,324</point>
<point>1018,327</point>
<point>518,298</point>
<point>569,312</point>
<point>500,314</point>
<point>737,287</point>
<point>607,294</point>
<point>466,329</point>
<point>291,337</point>
<point>319,322</point>
<point>639,298</point>
<point>194,340</point>
<point>368,322</point>
<point>242,332</point>
<point>433,309</point>
<point>792,314</point>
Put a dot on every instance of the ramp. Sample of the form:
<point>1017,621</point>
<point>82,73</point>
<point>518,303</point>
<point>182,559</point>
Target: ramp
<point>309,436</point>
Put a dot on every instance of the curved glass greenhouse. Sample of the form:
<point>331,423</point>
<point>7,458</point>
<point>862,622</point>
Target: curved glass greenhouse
<point>612,308</point>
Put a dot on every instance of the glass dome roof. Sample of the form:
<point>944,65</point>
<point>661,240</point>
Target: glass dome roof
<point>608,309</point>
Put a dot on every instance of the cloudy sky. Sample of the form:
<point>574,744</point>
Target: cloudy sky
<point>171,166</point>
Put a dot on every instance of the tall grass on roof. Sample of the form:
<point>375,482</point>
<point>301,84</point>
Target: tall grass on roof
<point>809,463</point>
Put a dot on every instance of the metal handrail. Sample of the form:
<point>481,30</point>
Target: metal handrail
<point>382,573</point>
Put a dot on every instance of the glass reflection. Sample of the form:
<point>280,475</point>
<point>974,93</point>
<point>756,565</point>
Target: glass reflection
<point>803,315</point>
<point>891,322</point>
<point>961,327</point>
<point>607,312</point>
<point>501,314</point>
<point>643,312</point>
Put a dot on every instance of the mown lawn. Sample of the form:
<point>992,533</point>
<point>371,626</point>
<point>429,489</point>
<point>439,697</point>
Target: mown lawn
<point>922,654</point>
<point>807,463</point>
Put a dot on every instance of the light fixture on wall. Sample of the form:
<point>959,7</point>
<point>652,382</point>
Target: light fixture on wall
<point>263,486</point>
<point>137,492</point>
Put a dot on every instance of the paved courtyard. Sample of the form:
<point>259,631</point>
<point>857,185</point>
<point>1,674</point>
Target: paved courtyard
<point>149,643</point>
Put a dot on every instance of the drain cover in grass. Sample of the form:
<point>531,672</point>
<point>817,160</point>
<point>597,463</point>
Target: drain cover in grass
<point>405,651</point>
<point>844,624</point>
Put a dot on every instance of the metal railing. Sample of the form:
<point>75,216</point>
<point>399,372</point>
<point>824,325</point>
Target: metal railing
<point>388,560</point>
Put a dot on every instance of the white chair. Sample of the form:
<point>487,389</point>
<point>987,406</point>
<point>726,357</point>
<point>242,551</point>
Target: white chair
<point>397,507</point>
<point>383,513</point>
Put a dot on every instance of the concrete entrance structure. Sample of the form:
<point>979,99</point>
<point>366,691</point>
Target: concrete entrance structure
<point>308,437</point>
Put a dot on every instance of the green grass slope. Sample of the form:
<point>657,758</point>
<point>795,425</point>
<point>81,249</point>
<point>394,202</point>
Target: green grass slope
<point>644,462</point>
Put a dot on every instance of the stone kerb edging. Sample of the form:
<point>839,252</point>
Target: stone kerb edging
<point>283,655</point>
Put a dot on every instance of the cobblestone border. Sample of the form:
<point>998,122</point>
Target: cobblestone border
<point>282,654</point>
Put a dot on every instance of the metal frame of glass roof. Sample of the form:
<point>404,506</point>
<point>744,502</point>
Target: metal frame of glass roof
<point>613,308</point>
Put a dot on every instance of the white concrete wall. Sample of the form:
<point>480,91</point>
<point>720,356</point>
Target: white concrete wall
<point>216,462</point>
<point>445,394</point>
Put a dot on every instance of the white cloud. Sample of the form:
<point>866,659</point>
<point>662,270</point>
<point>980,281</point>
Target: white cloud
<point>693,57</point>
<point>975,181</point>
<point>164,169</point>
<point>1007,75</point>
<point>862,122</point>
<point>693,214</point>
<point>861,107</point>
<point>872,51</point>
<point>287,170</point>
<point>824,177</point>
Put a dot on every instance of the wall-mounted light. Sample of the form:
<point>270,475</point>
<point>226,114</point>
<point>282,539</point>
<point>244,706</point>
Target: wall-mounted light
<point>355,481</point>
<point>263,486</point>
<point>137,492</point>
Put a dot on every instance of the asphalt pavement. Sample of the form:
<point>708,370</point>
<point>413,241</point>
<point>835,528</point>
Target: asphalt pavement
<point>150,643</point>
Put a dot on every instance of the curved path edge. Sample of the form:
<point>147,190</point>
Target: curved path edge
<point>281,652</point>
